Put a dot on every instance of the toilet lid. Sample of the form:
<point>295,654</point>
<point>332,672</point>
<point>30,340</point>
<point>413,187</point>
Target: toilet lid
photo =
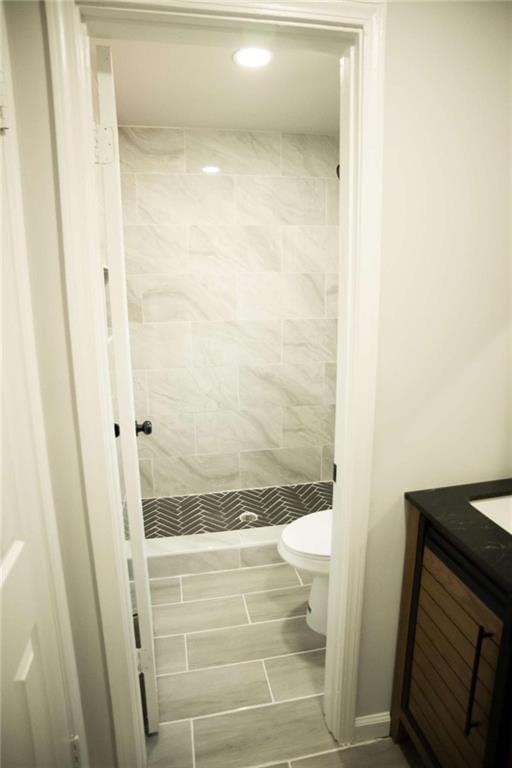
<point>310,534</point>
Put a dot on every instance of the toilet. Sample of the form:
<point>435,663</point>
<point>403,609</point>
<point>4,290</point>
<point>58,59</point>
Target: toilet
<point>306,544</point>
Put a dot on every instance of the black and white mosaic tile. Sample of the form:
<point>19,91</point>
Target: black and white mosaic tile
<point>233,510</point>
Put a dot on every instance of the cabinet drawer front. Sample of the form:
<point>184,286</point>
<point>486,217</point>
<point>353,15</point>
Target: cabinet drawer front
<point>453,665</point>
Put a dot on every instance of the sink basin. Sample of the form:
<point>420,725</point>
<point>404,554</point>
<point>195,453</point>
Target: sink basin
<point>498,509</point>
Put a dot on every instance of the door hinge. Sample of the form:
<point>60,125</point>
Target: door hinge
<point>3,120</point>
<point>104,144</point>
<point>74,742</point>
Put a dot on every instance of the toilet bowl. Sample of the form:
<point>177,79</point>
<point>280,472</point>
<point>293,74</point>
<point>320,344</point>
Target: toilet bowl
<point>306,544</point>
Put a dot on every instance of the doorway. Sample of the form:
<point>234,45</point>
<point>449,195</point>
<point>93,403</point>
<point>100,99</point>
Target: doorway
<point>352,485</point>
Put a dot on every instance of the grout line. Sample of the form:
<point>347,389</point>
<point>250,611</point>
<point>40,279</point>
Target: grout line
<point>187,666</point>
<point>232,626</point>
<point>243,709</point>
<point>265,672</point>
<point>234,594</point>
<point>237,663</point>
<point>246,610</point>
<point>192,743</point>
<point>237,594</point>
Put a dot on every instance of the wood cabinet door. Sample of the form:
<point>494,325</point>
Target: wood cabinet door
<point>454,659</point>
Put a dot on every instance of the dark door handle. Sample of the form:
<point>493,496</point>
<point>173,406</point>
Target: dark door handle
<point>470,723</point>
<point>145,427</point>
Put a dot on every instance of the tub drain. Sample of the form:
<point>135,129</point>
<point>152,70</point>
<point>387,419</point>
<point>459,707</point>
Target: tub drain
<point>248,517</point>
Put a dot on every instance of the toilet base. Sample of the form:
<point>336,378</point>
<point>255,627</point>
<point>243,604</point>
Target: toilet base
<point>316,617</point>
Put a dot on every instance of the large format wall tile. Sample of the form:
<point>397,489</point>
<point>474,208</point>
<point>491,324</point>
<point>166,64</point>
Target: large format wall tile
<point>228,248</point>
<point>263,200</point>
<point>152,149</point>
<point>310,249</point>
<point>129,198</point>
<point>239,152</point>
<point>281,385</point>
<point>304,295</point>
<point>309,155</point>
<point>239,430</point>
<point>255,579</point>
<point>309,341</point>
<point>259,296</point>
<point>160,345</point>
<point>308,425</point>
<point>155,249</point>
<point>240,342</point>
<point>196,474</point>
<point>284,466</point>
<point>182,199</point>
<point>186,297</point>
<point>191,390</point>
<point>232,292</point>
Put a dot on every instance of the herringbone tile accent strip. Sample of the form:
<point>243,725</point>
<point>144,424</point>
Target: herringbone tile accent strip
<point>210,512</point>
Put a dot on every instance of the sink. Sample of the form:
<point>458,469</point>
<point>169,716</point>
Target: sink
<point>498,509</point>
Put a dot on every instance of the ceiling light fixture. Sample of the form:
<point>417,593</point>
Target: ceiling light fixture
<point>252,57</point>
<point>210,169</point>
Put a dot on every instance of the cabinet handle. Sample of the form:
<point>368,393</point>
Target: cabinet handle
<point>470,723</point>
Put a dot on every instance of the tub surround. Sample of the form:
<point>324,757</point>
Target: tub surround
<point>232,286</point>
<point>480,539</point>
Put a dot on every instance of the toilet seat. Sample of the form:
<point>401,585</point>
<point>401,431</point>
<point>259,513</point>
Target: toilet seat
<point>306,543</point>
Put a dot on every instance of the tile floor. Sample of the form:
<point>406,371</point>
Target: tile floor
<point>240,674</point>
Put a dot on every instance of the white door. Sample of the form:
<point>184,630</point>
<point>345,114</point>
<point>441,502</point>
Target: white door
<point>40,699</point>
<point>111,235</point>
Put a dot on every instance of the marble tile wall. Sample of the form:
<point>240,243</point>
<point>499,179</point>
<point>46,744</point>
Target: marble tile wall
<point>232,290</point>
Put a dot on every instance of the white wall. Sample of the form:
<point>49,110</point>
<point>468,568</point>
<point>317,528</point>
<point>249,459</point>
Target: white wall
<point>32,102</point>
<point>444,376</point>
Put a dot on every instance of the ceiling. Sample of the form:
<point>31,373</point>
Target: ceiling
<point>190,79</point>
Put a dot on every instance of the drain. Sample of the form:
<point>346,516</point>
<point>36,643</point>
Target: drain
<point>248,517</point>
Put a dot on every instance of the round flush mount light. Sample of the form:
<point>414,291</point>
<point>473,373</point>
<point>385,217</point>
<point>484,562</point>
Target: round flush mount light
<point>252,57</point>
<point>210,169</point>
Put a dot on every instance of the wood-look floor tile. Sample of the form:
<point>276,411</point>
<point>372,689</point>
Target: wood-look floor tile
<point>299,675</point>
<point>165,590</point>
<point>261,735</point>
<point>204,692</point>
<point>254,641</point>
<point>170,654</point>
<point>201,614</point>
<point>305,576</point>
<point>239,581</point>
<point>380,754</point>
<point>277,604</point>
<point>171,747</point>
<point>193,562</point>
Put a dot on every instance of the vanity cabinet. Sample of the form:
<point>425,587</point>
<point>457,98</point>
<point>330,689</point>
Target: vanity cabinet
<point>453,683</point>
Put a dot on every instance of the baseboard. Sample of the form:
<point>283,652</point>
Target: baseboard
<point>371,727</point>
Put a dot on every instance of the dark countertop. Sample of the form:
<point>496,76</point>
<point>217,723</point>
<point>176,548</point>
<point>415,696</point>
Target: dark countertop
<point>485,543</point>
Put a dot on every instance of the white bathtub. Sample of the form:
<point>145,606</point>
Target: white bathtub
<point>498,509</point>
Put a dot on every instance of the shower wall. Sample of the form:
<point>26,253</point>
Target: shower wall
<point>232,285</point>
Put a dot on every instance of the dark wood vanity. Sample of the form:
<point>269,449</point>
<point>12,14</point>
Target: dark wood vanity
<point>452,692</point>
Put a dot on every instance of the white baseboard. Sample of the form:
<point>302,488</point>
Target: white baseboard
<point>371,727</point>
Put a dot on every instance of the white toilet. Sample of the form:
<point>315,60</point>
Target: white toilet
<point>306,544</point>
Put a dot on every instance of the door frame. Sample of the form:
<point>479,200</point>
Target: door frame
<point>360,207</point>
<point>42,517</point>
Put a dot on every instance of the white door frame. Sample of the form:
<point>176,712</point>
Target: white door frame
<point>41,518</point>
<point>360,206</point>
